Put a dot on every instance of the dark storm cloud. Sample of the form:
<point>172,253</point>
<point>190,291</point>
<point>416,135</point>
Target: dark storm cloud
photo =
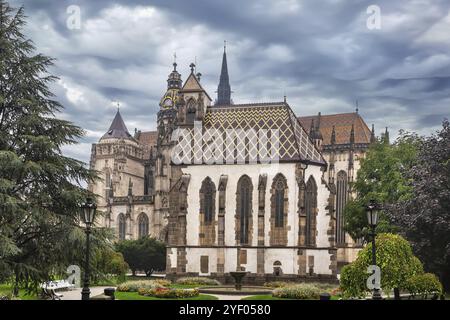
<point>319,53</point>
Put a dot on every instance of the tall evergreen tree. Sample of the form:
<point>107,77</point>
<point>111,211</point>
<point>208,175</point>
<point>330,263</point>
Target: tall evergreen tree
<point>40,188</point>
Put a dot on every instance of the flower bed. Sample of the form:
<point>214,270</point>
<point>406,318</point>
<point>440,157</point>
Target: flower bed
<point>299,291</point>
<point>168,293</point>
<point>201,281</point>
<point>278,284</point>
<point>134,286</point>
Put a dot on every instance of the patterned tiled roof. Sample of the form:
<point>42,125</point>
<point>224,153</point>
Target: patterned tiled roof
<point>288,139</point>
<point>343,126</point>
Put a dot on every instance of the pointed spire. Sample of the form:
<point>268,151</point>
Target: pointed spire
<point>333,136</point>
<point>224,89</point>
<point>386,136</point>
<point>130,188</point>
<point>352,134</point>
<point>117,128</point>
<point>318,134</point>
<point>372,134</point>
<point>312,130</point>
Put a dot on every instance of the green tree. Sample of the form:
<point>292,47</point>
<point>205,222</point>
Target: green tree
<point>382,178</point>
<point>145,254</point>
<point>40,189</point>
<point>108,262</point>
<point>425,218</point>
<point>395,259</point>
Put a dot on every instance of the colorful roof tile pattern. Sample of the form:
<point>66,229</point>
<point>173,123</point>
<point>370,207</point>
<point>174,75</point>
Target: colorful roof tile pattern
<point>343,126</point>
<point>247,133</point>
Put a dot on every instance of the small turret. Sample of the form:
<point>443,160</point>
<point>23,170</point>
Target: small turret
<point>372,134</point>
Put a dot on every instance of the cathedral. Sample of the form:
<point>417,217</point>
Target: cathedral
<point>231,186</point>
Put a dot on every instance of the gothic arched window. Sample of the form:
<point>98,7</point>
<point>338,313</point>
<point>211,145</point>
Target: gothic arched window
<point>143,225</point>
<point>279,189</point>
<point>311,209</point>
<point>341,200</point>
<point>208,192</point>
<point>244,208</point>
<point>121,226</point>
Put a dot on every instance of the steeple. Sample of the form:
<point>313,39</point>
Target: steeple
<point>333,136</point>
<point>117,128</point>
<point>224,89</point>
<point>386,136</point>
<point>372,134</point>
<point>352,134</point>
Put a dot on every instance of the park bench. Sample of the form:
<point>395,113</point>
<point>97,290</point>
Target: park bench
<point>50,288</point>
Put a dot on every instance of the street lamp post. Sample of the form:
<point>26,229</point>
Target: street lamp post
<point>88,210</point>
<point>372,218</point>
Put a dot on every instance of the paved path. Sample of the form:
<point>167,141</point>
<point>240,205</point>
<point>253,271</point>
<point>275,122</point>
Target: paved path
<point>76,293</point>
<point>228,296</point>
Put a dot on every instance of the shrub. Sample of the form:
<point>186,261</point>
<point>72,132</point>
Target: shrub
<point>134,286</point>
<point>424,284</point>
<point>298,291</point>
<point>146,254</point>
<point>201,281</point>
<point>169,293</point>
<point>395,259</point>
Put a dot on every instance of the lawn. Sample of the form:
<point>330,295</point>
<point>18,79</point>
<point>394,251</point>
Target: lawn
<point>6,289</point>
<point>136,296</point>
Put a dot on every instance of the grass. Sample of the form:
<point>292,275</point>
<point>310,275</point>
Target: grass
<point>136,296</point>
<point>6,289</point>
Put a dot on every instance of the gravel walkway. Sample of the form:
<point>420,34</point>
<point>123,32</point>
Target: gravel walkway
<point>76,293</point>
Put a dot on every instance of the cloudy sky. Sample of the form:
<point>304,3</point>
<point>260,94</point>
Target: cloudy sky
<point>321,54</point>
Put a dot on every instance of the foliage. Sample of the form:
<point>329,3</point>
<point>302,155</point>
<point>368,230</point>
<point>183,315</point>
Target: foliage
<point>381,177</point>
<point>395,259</point>
<point>145,254</point>
<point>167,293</point>
<point>298,291</point>
<point>201,281</point>
<point>424,218</point>
<point>109,262</point>
<point>424,284</point>
<point>133,286</point>
<point>40,189</point>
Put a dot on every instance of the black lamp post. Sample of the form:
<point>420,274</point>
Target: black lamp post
<point>87,215</point>
<point>372,218</point>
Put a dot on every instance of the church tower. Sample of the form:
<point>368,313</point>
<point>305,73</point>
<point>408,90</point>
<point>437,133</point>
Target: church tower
<point>224,89</point>
<point>166,122</point>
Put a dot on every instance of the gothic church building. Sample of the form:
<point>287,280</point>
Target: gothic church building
<point>233,186</point>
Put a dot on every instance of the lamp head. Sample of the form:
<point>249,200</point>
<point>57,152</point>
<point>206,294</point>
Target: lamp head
<point>88,210</point>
